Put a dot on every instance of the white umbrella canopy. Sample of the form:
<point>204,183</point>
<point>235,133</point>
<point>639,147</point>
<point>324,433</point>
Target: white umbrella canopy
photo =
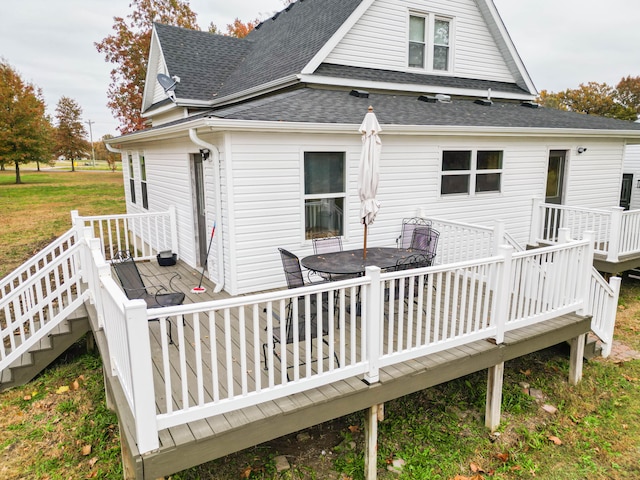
<point>368,175</point>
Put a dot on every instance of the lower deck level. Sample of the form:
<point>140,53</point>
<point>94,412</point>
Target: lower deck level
<point>195,443</point>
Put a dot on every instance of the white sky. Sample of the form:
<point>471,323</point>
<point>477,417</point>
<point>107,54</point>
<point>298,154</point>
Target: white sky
<point>562,42</point>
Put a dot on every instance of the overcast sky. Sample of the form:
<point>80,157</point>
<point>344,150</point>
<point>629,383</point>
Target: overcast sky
<point>562,42</point>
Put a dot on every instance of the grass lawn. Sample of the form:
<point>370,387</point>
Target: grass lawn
<point>57,427</point>
<point>38,210</point>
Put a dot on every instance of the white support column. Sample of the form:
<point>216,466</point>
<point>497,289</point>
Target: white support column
<point>494,396</point>
<point>141,370</point>
<point>536,216</point>
<point>576,358</point>
<point>615,234</point>
<point>374,325</point>
<point>373,415</point>
<point>586,273</point>
<point>174,228</point>
<point>614,283</point>
<point>498,235</point>
<point>502,291</point>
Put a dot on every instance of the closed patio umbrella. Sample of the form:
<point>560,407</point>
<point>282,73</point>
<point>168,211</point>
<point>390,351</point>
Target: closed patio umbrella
<point>368,172</point>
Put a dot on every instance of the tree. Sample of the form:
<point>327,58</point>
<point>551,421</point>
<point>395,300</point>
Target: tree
<point>103,154</point>
<point>70,132</point>
<point>628,93</point>
<point>239,29</point>
<point>593,99</point>
<point>25,130</point>
<point>128,49</point>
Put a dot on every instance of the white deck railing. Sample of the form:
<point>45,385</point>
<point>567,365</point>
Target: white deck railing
<point>142,234</point>
<point>616,232</point>
<point>218,361</point>
<point>38,296</point>
<point>221,349</point>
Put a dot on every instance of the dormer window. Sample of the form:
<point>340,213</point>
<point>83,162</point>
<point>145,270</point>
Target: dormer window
<point>429,43</point>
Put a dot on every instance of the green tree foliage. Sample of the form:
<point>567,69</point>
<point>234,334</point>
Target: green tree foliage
<point>128,48</point>
<point>598,99</point>
<point>103,154</point>
<point>70,132</point>
<point>25,130</point>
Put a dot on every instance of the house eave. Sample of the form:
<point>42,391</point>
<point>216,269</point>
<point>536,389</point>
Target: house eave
<point>220,125</point>
<point>406,87</point>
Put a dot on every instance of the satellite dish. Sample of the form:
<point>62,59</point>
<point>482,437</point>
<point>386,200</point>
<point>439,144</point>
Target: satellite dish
<point>168,84</point>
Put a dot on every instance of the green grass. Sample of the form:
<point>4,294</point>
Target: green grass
<point>37,211</point>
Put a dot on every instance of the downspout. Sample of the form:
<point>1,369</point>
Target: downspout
<point>193,135</point>
<point>113,150</point>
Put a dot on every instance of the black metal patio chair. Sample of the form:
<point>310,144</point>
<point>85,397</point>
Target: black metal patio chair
<point>155,296</point>
<point>408,226</point>
<point>295,279</point>
<point>425,240</point>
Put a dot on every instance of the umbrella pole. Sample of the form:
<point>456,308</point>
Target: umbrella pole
<point>364,255</point>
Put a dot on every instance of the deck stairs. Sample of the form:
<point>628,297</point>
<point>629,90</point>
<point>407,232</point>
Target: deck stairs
<point>47,350</point>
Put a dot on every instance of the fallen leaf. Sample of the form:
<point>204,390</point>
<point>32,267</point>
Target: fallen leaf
<point>26,397</point>
<point>93,461</point>
<point>93,474</point>
<point>75,385</point>
<point>502,456</point>
<point>461,477</point>
<point>526,373</point>
<point>246,473</point>
<point>62,389</point>
<point>629,379</point>
<point>86,450</point>
<point>354,428</point>
<point>476,468</point>
<point>555,439</point>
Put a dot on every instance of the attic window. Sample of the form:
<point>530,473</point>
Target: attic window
<point>359,93</point>
<point>429,42</point>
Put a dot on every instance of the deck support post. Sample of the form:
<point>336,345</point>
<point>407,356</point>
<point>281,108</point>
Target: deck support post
<point>536,221</point>
<point>576,358</point>
<point>374,414</point>
<point>374,322</point>
<point>494,396</point>
<point>615,235</point>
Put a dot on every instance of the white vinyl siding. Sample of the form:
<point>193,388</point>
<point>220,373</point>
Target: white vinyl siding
<point>262,195</point>
<point>380,40</point>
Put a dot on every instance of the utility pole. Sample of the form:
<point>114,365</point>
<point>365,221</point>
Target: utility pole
<point>93,153</point>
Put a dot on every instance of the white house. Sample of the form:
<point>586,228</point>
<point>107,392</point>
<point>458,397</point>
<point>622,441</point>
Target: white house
<point>278,113</point>
<point>260,137</point>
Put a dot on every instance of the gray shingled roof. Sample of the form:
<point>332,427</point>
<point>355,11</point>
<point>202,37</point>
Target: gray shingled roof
<point>376,75</point>
<point>284,44</point>
<point>203,61</point>
<point>338,106</point>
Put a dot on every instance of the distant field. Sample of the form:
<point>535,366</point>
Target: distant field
<point>37,211</point>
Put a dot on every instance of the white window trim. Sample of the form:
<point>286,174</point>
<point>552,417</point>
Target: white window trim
<point>133,197</point>
<point>472,172</point>
<point>143,200</point>
<point>429,42</point>
<point>304,197</point>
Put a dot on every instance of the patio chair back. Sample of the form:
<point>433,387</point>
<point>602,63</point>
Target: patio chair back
<point>292,269</point>
<point>408,226</point>
<point>425,240</point>
<point>327,245</point>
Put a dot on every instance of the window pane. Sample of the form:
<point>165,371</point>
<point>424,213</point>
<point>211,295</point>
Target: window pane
<point>145,199</point>
<point>323,172</point>
<point>323,217</point>
<point>440,58</point>
<point>488,182</point>
<point>454,184</point>
<point>130,160</point>
<point>441,32</point>
<point>132,190</point>
<point>416,55</point>
<point>456,160</point>
<point>143,168</point>
<point>489,160</point>
<point>416,29</point>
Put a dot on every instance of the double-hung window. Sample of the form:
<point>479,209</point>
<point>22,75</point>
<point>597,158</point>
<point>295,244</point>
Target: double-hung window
<point>429,42</point>
<point>471,171</point>
<point>132,180</point>
<point>143,181</point>
<point>324,194</point>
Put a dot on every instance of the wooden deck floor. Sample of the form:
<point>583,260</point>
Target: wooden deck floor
<point>197,442</point>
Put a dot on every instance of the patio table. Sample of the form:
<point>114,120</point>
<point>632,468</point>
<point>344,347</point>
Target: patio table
<point>350,262</point>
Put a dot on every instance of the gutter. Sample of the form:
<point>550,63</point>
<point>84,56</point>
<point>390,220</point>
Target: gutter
<point>193,135</point>
<point>113,150</point>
